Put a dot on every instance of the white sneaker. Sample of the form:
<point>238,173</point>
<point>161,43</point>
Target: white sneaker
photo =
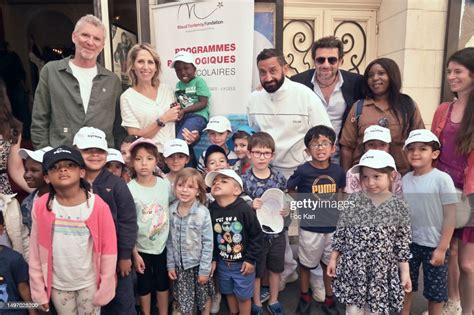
<point>292,277</point>
<point>216,303</point>
<point>317,286</point>
<point>452,308</point>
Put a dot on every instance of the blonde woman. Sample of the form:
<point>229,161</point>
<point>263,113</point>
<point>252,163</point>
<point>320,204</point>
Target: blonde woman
<point>146,106</point>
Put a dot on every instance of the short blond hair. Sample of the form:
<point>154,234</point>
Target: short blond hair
<point>132,56</point>
<point>90,19</point>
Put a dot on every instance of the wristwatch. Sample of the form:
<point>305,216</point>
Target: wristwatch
<point>160,123</point>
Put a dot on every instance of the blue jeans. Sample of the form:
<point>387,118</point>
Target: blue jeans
<point>191,122</point>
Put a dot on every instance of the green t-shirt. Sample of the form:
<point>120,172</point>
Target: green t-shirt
<point>152,204</point>
<point>187,94</point>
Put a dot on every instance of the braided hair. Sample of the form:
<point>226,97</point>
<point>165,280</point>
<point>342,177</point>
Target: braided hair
<point>83,184</point>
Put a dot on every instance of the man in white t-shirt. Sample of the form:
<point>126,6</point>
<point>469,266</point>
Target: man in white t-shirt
<point>76,92</point>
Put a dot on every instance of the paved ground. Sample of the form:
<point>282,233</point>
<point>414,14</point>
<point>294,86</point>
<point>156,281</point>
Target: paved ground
<point>289,300</point>
<point>290,296</point>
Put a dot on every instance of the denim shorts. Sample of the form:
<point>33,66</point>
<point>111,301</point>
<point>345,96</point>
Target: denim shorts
<point>231,280</point>
<point>435,278</point>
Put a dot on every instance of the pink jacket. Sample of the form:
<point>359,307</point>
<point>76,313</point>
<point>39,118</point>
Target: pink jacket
<point>439,121</point>
<point>102,229</point>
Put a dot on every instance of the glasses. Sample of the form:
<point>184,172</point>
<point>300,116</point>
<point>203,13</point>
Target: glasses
<point>383,122</point>
<point>258,154</point>
<point>322,145</point>
<point>331,60</point>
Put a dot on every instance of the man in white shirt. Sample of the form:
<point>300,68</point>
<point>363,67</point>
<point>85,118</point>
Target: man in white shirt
<point>286,110</point>
<point>76,92</point>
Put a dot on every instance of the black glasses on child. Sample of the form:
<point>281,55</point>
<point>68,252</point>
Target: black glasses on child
<point>259,154</point>
<point>331,60</point>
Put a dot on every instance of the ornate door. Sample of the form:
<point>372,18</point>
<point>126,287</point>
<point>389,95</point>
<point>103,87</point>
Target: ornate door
<point>304,25</point>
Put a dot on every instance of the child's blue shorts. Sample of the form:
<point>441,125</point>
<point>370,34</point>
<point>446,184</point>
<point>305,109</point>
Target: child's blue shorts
<point>231,280</point>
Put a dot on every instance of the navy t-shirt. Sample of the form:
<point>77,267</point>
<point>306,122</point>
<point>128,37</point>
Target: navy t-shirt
<point>13,270</point>
<point>254,187</point>
<point>317,204</point>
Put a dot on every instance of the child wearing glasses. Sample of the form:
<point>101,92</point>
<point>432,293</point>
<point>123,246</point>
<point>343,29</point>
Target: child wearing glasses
<point>259,178</point>
<point>318,184</point>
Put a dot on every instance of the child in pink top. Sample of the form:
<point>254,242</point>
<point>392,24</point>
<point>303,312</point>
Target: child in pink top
<point>375,138</point>
<point>73,245</point>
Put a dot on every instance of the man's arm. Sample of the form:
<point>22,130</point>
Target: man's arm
<point>41,115</point>
<point>119,132</point>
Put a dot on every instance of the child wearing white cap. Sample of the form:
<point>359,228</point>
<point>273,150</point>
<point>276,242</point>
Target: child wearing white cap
<point>432,199</point>
<point>92,144</point>
<point>219,130</point>
<point>176,154</point>
<point>34,179</point>
<point>192,94</point>
<point>115,163</point>
<point>237,239</point>
<point>375,138</point>
<point>373,233</point>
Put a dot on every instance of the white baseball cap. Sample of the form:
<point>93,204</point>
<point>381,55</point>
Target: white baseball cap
<point>114,155</point>
<point>375,132</point>
<point>175,146</point>
<point>421,135</point>
<point>269,214</point>
<point>90,137</point>
<point>226,172</point>
<point>219,124</point>
<point>183,56</point>
<point>34,155</point>
<point>374,159</point>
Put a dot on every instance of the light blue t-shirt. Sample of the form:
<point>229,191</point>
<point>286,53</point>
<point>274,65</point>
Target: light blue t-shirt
<point>426,195</point>
<point>152,205</point>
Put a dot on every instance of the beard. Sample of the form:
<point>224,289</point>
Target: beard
<point>324,76</point>
<point>274,85</point>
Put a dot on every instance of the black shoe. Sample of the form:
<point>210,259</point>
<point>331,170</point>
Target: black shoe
<point>303,307</point>
<point>330,309</point>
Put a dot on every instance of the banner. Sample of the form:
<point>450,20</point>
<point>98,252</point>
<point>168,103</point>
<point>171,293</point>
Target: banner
<point>220,36</point>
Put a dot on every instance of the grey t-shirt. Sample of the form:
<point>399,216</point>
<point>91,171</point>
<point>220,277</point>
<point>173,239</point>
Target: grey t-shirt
<point>426,195</point>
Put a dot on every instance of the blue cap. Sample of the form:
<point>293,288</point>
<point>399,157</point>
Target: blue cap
<point>247,129</point>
